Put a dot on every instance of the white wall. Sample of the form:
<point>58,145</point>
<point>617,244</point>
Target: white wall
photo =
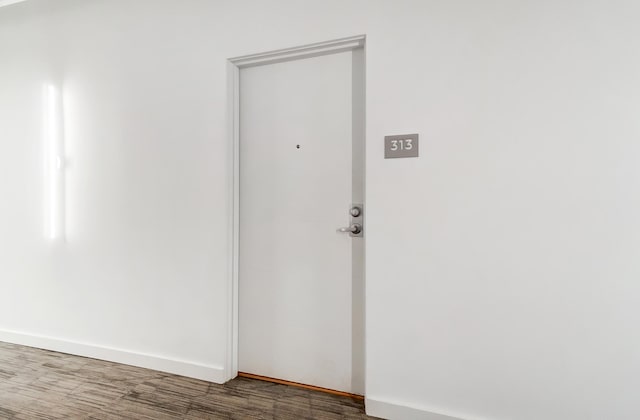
<point>502,265</point>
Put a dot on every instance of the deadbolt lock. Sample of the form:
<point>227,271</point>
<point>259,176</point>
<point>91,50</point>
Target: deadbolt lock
<point>355,211</point>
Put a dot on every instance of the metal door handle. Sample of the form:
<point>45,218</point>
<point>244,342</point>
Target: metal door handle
<point>354,228</point>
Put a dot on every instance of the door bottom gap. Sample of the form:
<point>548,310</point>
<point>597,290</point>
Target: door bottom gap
<point>299,385</point>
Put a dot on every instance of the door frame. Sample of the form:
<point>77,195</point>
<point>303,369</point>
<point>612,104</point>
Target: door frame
<point>234,65</point>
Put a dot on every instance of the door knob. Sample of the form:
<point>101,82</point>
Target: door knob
<point>354,229</point>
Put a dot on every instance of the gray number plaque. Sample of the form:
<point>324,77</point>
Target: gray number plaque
<point>402,146</point>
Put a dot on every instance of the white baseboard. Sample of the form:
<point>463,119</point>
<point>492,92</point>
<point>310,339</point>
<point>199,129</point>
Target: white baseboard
<point>178,367</point>
<point>396,411</point>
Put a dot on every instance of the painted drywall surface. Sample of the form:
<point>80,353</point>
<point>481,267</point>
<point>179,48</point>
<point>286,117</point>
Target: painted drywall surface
<point>501,265</point>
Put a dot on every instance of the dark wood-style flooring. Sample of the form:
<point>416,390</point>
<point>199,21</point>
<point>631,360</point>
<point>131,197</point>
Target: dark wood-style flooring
<point>38,384</point>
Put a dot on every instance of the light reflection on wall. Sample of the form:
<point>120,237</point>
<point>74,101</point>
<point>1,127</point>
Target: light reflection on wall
<point>54,163</point>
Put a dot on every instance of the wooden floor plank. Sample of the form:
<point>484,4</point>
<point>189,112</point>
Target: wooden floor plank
<point>39,384</point>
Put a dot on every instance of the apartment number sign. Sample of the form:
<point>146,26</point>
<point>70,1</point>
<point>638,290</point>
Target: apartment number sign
<point>401,146</point>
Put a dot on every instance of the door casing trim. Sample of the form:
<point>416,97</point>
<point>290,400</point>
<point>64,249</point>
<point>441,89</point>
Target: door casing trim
<point>234,65</point>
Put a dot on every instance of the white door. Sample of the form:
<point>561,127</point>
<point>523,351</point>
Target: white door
<point>297,274</point>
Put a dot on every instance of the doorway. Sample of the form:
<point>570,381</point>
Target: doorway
<point>300,228</point>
